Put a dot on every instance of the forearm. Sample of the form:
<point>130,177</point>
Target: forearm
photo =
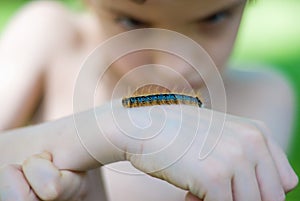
<point>172,154</point>
<point>61,139</point>
<point>18,144</point>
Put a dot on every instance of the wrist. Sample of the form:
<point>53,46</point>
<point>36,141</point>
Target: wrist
<point>89,139</point>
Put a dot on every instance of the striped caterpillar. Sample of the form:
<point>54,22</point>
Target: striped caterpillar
<point>152,94</point>
<point>161,99</point>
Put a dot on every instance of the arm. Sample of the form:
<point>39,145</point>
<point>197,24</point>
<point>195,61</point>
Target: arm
<point>66,152</point>
<point>20,78</point>
<point>59,138</point>
<point>261,174</point>
<point>26,49</point>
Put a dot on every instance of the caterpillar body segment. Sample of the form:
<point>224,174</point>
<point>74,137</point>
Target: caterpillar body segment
<point>161,99</point>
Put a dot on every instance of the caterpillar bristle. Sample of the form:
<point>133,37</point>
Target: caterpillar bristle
<point>161,99</point>
<point>149,95</point>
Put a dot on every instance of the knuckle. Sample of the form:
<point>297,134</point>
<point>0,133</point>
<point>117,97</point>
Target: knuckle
<point>218,178</point>
<point>256,140</point>
<point>253,136</point>
<point>237,153</point>
<point>218,173</point>
<point>249,131</point>
<point>197,189</point>
<point>8,171</point>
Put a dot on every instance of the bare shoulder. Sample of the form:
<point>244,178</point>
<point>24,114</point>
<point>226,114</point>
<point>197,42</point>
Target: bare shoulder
<point>265,83</point>
<point>45,7</point>
<point>35,35</point>
<point>265,95</point>
<point>44,11</point>
<point>43,24</point>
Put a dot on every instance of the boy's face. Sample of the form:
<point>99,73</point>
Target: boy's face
<point>211,23</point>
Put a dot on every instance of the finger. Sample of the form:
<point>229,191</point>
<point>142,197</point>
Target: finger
<point>218,187</point>
<point>287,175</point>
<point>216,193</point>
<point>245,186</point>
<point>42,176</point>
<point>191,197</point>
<point>48,182</point>
<point>269,180</point>
<point>13,185</point>
<point>73,185</point>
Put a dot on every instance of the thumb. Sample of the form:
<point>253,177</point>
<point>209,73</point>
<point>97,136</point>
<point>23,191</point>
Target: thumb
<point>191,197</point>
<point>48,182</point>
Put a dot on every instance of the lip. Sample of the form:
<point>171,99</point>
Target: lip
<point>151,89</point>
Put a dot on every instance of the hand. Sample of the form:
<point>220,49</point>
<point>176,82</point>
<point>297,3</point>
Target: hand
<point>245,164</point>
<point>191,197</point>
<point>39,179</point>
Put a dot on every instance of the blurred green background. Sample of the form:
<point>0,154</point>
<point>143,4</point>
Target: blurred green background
<point>270,34</point>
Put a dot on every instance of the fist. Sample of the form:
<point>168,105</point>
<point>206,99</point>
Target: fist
<point>38,179</point>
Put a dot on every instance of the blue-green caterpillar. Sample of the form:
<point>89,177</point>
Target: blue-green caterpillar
<point>161,99</point>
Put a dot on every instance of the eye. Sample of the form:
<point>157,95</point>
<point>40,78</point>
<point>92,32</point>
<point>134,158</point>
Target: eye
<point>130,23</point>
<point>217,18</point>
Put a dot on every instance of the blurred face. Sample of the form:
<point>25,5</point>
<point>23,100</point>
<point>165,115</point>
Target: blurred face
<point>211,23</point>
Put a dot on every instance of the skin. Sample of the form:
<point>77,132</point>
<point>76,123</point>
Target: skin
<point>75,36</point>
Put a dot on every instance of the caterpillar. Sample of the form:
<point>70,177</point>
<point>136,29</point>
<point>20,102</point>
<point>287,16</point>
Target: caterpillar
<point>161,99</point>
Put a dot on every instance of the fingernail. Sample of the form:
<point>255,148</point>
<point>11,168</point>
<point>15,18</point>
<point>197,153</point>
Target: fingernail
<point>50,192</point>
<point>45,155</point>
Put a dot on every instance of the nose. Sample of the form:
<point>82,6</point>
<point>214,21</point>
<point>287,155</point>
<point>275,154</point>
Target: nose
<point>175,62</point>
<point>179,69</point>
<point>170,57</point>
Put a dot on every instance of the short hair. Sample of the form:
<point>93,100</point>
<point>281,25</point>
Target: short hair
<point>143,1</point>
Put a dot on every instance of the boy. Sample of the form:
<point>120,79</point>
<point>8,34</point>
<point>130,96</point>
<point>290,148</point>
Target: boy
<point>35,73</point>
